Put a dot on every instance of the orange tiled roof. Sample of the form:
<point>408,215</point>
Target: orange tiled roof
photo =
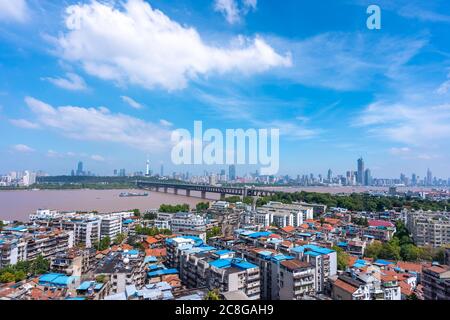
<point>288,229</point>
<point>439,269</point>
<point>156,252</point>
<point>405,288</point>
<point>345,286</point>
<point>127,247</point>
<point>410,266</point>
<point>151,240</point>
<point>332,221</point>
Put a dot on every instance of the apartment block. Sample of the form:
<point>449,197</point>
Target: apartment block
<point>123,269</point>
<point>23,243</point>
<point>429,229</point>
<point>234,274</point>
<point>282,215</point>
<point>436,283</point>
<point>111,226</point>
<point>86,230</point>
<point>323,260</point>
<point>296,280</point>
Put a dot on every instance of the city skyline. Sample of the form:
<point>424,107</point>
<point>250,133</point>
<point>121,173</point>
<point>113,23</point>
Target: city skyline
<point>361,176</point>
<point>276,67</point>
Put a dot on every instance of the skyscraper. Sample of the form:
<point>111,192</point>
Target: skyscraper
<point>162,170</point>
<point>147,171</point>
<point>330,175</point>
<point>80,169</point>
<point>232,172</point>
<point>360,177</point>
<point>429,177</point>
<point>414,179</point>
<point>367,177</point>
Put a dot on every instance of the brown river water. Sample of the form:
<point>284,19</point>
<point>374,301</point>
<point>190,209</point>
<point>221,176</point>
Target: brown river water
<point>17,205</point>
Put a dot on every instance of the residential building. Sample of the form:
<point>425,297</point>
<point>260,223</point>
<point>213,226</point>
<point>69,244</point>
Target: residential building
<point>111,226</point>
<point>282,215</point>
<point>296,280</point>
<point>429,228</point>
<point>187,221</point>
<point>86,230</point>
<point>436,283</point>
<point>323,260</point>
<point>234,274</point>
<point>122,268</point>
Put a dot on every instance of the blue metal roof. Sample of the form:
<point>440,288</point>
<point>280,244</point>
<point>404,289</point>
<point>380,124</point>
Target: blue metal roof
<point>260,234</point>
<point>162,272</point>
<point>150,259</point>
<point>312,248</point>
<point>223,252</point>
<point>226,263</point>
<point>55,279</point>
<point>305,234</point>
<point>281,257</point>
<point>85,285</point>
<point>132,253</point>
<point>243,264</point>
<point>383,262</point>
<point>221,263</point>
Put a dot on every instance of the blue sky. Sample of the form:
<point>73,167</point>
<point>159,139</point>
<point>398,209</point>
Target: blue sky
<point>106,82</point>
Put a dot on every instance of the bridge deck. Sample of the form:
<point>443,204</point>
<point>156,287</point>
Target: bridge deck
<point>248,192</point>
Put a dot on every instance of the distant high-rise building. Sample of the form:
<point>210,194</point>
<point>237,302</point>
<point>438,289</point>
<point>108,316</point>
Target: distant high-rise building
<point>72,173</point>
<point>330,175</point>
<point>147,171</point>
<point>80,169</point>
<point>29,178</point>
<point>232,172</point>
<point>360,175</point>
<point>429,178</point>
<point>115,172</point>
<point>414,179</point>
<point>122,173</point>
<point>367,177</point>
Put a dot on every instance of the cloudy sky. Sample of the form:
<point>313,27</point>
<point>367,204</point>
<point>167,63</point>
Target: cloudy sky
<point>106,82</point>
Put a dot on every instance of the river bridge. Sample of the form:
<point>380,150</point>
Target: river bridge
<point>203,189</point>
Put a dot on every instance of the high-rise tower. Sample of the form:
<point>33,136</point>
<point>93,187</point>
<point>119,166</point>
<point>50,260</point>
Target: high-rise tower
<point>360,177</point>
<point>147,171</point>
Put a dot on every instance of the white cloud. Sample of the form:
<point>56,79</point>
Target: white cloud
<point>136,44</point>
<point>99,124</point>
<point>72,82</point>
<point>165,123</point>
<point>444,88</point>
<point>410,124</point>
<point>250,4</point>
<point>54,154</point>
<point>400,151</point>
<point>14,10</point>
<point>229,9</point>
<point>22,148</point>
<point>232,10</point>
<point>98,158</point>
<point>25,124</point>
<point>347,61</point>
<point>132,103</point>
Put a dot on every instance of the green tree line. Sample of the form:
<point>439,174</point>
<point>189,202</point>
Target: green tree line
<point>24,269</point>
